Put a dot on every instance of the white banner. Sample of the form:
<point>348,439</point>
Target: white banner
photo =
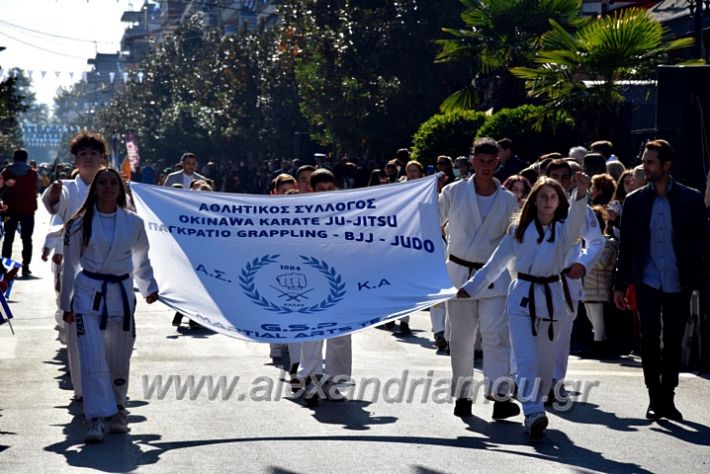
<point>298,267</point>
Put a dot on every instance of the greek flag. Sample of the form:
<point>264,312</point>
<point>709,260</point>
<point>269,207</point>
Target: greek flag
<point>5,313</point>
<point>9,265</point>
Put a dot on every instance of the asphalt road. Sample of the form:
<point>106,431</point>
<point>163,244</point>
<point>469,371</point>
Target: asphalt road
<point>405,426</point>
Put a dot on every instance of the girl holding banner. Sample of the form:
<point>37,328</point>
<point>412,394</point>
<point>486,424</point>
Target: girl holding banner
<point>104,244</point>
<point>548,226</point>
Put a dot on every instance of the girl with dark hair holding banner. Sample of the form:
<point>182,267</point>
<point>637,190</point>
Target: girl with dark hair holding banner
<point>104,245</point>
<point>546,229</point>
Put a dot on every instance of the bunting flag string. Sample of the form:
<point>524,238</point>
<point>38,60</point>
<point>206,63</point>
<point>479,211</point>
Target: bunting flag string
<point>105,77</point>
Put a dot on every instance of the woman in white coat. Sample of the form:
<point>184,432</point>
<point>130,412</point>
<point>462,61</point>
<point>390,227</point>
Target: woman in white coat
<point>104,245</point>
<point>546,229</point>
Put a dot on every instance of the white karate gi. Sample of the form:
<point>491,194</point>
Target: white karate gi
<point>105,354</point>
<point>586,255</point>
<point>534,355</point>
<point>473,238</point>
<point>71,198</point>
<point>338,358</point>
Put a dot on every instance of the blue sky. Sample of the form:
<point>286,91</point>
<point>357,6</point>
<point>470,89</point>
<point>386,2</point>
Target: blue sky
<point>67,33</point>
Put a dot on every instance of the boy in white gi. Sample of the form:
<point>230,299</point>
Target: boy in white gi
<point>338,352</point>
<point>478,211</point>
<point>62,199</point>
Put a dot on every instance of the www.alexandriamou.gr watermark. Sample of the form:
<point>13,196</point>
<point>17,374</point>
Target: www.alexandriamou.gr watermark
<point>401,389</point>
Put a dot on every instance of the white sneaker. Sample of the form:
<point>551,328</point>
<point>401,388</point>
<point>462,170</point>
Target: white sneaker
<point>95,433</point>
<point>119,422</point>
<point>535,424</point>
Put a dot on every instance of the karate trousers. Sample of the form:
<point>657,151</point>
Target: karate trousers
<point>490,316</point>
<point>105,361</point>
<point>338,357</point>
<point>534,359</point>
<point>437,314</point>
<point>562,346</point>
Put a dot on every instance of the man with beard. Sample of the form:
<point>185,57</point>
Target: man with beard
<point>661,251</point>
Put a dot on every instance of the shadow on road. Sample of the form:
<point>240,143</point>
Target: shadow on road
<point>60,360</point>
<point>3,447</point>
<point>196,333</point>
<point>123,453</point>
<point>590,414</point>
<point>555,446</point>
<point>117,453</point>
<point>414,338</point>
<point>685,430</point>
<point>351,415</point>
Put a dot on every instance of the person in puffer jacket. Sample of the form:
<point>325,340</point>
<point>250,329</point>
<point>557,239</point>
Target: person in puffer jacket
<point>598,282</point>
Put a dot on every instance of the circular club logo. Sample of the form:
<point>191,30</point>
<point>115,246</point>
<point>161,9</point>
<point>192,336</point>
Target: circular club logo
<point>284,285</point>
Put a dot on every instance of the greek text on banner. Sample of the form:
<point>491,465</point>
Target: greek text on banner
<point>298,267</point>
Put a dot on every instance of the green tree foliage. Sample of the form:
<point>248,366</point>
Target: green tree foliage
<point>365,74</point>
<point>498,35</point>
<point>15,98</point>
<point>357,75</point>
<point>448,134</point>
<point>624,45</point>
<point>233,97</point>
<point>520,125</point>
<point>174,108</point>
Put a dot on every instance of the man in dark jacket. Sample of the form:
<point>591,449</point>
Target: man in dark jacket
<point>663,231</point>
<point>510,164</point>
<point>21,202</point>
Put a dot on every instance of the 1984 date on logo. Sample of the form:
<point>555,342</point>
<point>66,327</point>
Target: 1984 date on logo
<point>287,285</point>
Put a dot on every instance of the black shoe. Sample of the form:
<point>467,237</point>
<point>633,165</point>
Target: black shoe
<point>652,412</point>
<point>177,320</point>
<point>668,409</point>
<point>463,408</point>
<point>195,325</point>
<point>672,413</point>
<point>297,383</point>
<point>26,271</point>
<point>311,400</point>
<point>310,393</point>
<point>389,325</point>
<point>550,398</point>
<point>505,409</point>
<point>404,329</point>
<point>440,341</point>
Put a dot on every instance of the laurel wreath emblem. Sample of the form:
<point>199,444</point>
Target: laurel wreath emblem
<point>335,281</point>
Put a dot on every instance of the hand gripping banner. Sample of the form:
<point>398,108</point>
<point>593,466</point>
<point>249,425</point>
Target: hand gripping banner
<point>297,267</point>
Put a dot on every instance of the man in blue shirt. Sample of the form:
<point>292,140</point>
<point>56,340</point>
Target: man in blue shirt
<point>661,252</point>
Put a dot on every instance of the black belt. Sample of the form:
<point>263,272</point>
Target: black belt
<point>465,263</point>
<point>545,281</point>
<point>565,287</point>
<point>106,279</point>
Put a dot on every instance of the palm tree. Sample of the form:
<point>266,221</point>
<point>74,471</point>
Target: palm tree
<point>498,35</point>
<point>625,45</point>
